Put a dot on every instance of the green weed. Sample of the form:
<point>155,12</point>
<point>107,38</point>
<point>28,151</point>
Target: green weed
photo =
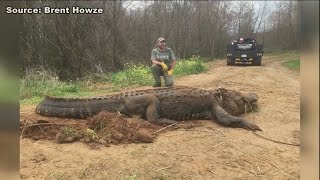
<point>134,75</point>
<point>133,176</point>
<point>91,135</point>
<point>37,83</point>
<point>193,65</point>
<point>293,64</point>
<point>69,131</point>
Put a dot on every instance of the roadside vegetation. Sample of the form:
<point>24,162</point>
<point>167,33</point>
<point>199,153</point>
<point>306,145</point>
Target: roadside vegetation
<point>39,82</point>
<point>282,53</point>
<point>291,58</point>
<point>293,64</point>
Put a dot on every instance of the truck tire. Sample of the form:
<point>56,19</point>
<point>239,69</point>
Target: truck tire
<point>257,61</point>
<point>230,61</point>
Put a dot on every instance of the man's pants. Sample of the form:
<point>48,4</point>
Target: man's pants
<point>157,72</point>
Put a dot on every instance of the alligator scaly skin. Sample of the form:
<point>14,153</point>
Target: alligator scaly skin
<point>175,103</point>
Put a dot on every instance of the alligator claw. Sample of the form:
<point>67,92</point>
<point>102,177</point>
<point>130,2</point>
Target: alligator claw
<point>251,126</point>
<point>165,121</point>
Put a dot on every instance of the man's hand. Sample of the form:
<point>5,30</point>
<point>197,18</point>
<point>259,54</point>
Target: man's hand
<point>170,72</point>
<point>164,66</point>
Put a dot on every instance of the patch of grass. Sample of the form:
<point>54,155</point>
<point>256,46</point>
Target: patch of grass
<point>134,75</point>
<point>91,135</point>
<point>193,65</point>
<point>69,131</point>
<point>289,54</point>
<point>268,51</point>
<point>39,83</point>
<point>133,176</point>
<point>30,101</point>
<point>293,64</point>
<point>67,134</point>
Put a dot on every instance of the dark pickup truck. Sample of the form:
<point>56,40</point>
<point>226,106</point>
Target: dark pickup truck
<point>245,51</point>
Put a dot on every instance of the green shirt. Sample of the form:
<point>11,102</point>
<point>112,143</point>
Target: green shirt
<point>166,56</point>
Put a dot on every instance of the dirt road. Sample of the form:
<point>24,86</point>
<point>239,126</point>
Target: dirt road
<point>209,151</point>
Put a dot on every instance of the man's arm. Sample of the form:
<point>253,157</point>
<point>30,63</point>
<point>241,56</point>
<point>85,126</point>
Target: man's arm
<point>154,58</point>
<point>156,62</point>
<point>173,58</point>
<point>173,64</point>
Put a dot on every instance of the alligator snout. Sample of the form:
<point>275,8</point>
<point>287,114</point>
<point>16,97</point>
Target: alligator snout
<point>250,97</point>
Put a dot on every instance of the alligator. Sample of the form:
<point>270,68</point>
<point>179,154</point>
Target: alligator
<point>159,105</point>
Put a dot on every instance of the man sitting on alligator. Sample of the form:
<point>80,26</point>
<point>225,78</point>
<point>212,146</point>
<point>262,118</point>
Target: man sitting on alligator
<point>160,105</point>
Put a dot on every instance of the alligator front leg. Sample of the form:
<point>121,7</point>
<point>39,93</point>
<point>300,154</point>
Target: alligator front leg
<point>146,105</point>
<point>231,121</point>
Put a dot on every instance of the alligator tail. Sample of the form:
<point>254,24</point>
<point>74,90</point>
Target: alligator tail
<point>76,108</point>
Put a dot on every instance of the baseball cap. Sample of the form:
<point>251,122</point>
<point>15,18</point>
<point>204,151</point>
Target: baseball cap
<point>160,39</point>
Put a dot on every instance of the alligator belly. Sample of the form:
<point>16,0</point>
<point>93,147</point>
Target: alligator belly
<point>184,109</point>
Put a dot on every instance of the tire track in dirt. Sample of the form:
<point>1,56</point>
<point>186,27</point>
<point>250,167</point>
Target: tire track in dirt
<point>279,108</point>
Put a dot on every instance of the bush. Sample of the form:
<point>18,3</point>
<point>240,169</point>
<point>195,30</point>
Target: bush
<point>193,65</point>
<point>134,75</point>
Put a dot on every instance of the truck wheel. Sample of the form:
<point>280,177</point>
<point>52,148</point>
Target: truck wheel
<point>257,61</point>
<point>232,61</point>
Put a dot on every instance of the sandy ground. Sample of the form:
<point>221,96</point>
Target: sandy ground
<point>208,151</point>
